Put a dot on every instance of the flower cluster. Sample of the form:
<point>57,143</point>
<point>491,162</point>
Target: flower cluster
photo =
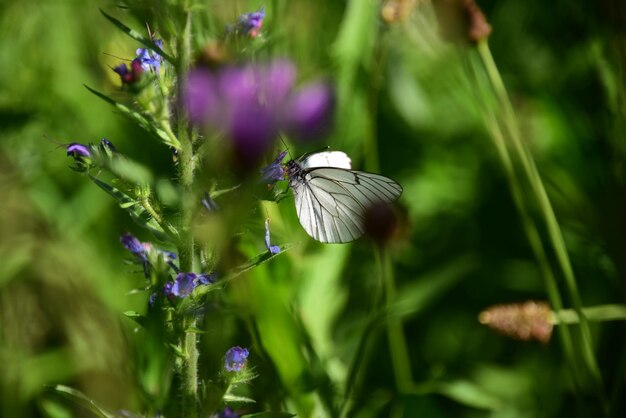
<point>252,104</point>
<point>146,60</point>
<point>150,60</point>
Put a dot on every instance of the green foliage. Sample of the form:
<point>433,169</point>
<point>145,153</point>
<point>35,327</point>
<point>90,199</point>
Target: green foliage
<point>324,334</point>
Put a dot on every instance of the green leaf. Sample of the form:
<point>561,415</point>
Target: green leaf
<point>252,263</point>
<point>139,37</point>
<point>240,399</point>
<point>143,121</point>
<point>469,394</point>
<point>131,171</point>
<point>83,400</point>
<point>270,415</point>
<point>137,317</point>
<point>134,209</point>
<point>421,293</point>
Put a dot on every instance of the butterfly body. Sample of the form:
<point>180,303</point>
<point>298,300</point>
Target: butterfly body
<point>331,199</point>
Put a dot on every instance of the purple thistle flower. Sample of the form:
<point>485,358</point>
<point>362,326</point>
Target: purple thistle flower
<point>235,359</point>
<point>250,23</point>
<point>253,104</point>
<point>149,59</point>
<point>274,171</point>
<point>273,249</point>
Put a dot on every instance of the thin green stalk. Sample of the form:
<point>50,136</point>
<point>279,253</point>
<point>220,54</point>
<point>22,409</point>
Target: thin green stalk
<point>395,333</point>
<point>530,228</point>
<point>189,403</point>
<point>599,313</point>
<point>547,212</point>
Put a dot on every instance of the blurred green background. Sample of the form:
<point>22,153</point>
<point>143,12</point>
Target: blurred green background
<point>406,109</point>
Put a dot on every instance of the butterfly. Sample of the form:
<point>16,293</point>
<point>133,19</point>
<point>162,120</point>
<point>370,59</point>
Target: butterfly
<point>331,199</point>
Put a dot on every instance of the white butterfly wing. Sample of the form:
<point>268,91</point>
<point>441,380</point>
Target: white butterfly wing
<point>337,159</point>
<point>331,202</point>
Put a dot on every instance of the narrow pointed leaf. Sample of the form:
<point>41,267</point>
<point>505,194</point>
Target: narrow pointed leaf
<point>138,37</point>
<point>143,121</point>
<point>83,400</point>
<point>134,209</point>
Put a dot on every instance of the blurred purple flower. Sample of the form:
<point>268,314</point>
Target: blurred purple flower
<point>273,249</point>
<point>250,23</point>
<point>235,359</point>
<point>310,113</point>
<point>253,104</point>
<point>149,59</point>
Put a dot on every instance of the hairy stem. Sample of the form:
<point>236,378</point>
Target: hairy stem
<point>185,248</point>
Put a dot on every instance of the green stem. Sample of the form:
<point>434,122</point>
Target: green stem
<point>594,313</point>
<point>547,212</point>
<point>397,342</point>
<point>530,228</point>
<point>186,165</point>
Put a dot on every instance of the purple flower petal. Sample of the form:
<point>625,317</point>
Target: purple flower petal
<point>133,245</point>
<point>182,286</point>
<point>77,150</point>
